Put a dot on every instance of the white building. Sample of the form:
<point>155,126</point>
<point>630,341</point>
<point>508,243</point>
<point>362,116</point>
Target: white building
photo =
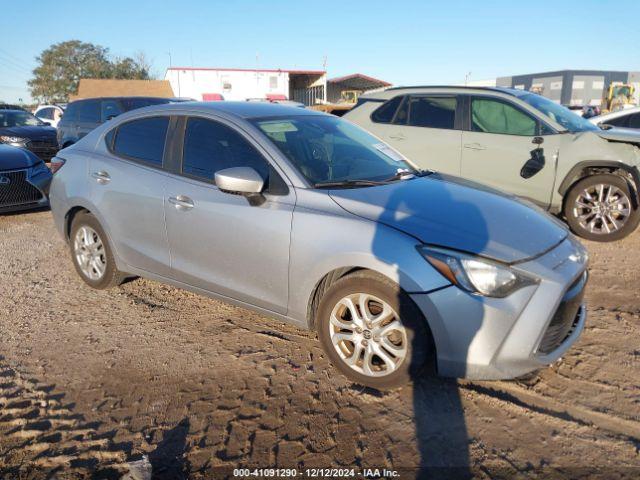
<point>306,86</point>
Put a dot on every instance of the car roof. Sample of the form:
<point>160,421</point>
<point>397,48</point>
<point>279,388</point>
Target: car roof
<point>124,97</point>
<point>516,92</point>
<point>237,109</point>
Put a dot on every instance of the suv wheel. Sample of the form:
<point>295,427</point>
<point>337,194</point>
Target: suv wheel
<point>599,208</point>
<point>91,253</point>
<point>372,331</point>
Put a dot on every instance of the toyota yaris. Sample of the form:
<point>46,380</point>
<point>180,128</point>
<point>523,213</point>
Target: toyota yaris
<point>307,218</point>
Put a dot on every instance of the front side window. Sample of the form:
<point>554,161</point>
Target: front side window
<point>210,146</point>
<point>142,139</point>
<point>110,109</point>
<point>493,116</point>
<point>385,113</point>
<point>328,149</point>
<point>432,112</point>
<point>89,112</point>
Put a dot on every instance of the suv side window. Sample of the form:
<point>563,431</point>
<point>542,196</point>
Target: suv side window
<point>46,113</point>
<point>110,109</point>
<point>70,113</point>
<point>89,111</point>
<point>210,146</point>
<point>142,139</point>
<point>432,112</point>
<point>495,116</point>
<point>634,120</point>
<point>385,113</point>
<point>622,121</point>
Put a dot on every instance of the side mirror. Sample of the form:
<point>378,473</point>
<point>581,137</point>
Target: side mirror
<point>45,122</point>
<point>240,180</point>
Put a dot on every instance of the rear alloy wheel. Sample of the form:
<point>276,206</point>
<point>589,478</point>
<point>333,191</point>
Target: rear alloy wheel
<point>91,253</point>
<point>600,208</point>
<point>372,331</point>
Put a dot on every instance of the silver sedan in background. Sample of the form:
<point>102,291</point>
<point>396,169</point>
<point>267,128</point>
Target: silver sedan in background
<point>307,218</point>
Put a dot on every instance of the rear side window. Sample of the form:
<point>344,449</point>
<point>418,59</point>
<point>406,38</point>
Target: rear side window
<point>432,112</point>
<point>133,103</point>
<point>385,113</point>
<point>89,111</point>
<point>492,116</point>
<point>210,146</point>
<point>142,139</point>
<point>46,113</point>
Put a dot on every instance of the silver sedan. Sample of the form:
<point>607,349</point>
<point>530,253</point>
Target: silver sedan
<point>307,218</point>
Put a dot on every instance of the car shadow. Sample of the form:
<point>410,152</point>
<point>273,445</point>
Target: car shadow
<point>441,432</point>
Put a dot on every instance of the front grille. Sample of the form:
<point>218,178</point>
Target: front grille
<point>566,318</point>
<point>45,149</point>
<point>15,190</point>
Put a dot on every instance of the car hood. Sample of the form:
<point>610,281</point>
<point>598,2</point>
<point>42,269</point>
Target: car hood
<point>453,213</point>
<point>14,158</point>
<point>33,132</point>
<point>629,135</point>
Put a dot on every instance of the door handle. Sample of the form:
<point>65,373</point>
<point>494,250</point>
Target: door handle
<point>101,177</point>
<point>181,202</point>
<point>397,136</point>
<point>474,146</point>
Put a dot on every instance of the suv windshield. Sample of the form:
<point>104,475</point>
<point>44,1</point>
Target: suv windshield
<point>17,118</point>
<point>556,112</point>
<point>327,149</point>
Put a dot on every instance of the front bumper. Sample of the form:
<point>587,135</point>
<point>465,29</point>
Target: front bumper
<point>22,191</point>
<point>499,338</point>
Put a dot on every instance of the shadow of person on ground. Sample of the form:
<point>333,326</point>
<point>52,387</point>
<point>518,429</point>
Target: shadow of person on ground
<point>167,460</point>
<point>429,204</point>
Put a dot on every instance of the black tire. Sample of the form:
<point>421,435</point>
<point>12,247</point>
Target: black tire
<point>418,336</point>
<point>572,209</point>
<point>111,277</point>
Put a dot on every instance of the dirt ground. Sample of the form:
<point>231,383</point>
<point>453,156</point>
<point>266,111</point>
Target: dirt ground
<point>91,381</point>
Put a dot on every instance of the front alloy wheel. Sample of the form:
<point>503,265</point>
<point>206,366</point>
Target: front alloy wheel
<point>368,335</point>
<point>90,254</point>
<point>600,208</point>
<point>372,331</point>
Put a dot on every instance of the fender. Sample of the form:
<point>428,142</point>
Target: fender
<point>576,169</point>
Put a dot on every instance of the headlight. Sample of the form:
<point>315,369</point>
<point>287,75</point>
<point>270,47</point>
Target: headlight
<point>12,140</point>
<point>474,274</point>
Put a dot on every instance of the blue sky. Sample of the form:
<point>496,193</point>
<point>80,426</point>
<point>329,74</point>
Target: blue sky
<point>404,42</point>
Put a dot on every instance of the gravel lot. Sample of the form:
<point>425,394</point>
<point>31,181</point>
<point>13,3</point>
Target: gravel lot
<point>91,381</point>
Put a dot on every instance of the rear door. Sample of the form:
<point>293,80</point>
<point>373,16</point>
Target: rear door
<point>507,148</point>
<point>427,130</point>
<point>223,242</point>
<point>128,191</point>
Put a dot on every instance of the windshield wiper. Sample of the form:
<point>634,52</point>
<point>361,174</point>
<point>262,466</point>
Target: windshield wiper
<point>348,183</point>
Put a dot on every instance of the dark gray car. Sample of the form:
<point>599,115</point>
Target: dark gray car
<point>82,116</point>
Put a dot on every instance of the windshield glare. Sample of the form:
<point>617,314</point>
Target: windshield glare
<point>328,149</point>
<point>556,112</point>
<point>17,118</point>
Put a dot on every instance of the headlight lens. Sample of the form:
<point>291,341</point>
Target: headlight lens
<point>10,139</point>
<point>474,274</point>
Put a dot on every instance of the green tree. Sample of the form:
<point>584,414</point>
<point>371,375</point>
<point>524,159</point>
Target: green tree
<point>62,65</point>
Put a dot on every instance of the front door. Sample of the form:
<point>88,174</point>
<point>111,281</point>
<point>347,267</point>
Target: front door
<point>219,241</point>
<point>506,148</point>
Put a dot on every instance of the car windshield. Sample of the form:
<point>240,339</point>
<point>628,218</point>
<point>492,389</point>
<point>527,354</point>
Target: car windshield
<point>17,118</point>
<point>326,149</point>
<point>569,120</point>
